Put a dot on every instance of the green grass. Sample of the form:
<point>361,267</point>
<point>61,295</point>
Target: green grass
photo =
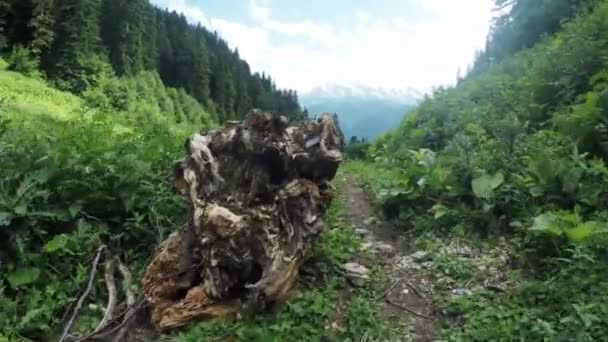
<point>26,96</point>
<point>77,173</point>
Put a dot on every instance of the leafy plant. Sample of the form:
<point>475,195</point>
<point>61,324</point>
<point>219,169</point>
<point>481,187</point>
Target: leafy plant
<point>23,61</point>
<point>484,186</point>
<point>567,225</point>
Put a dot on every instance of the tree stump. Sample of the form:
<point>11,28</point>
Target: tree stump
<point>257,192</point>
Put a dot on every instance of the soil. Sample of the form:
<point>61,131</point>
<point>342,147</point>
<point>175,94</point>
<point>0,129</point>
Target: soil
<point>405,294</point>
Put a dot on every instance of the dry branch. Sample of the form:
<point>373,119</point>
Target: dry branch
<point>390,288</point>
<point>110,269</point>
<point>405,308</point>
<point>84,295</point>
<point>130,299</point>
<point>127,282</point>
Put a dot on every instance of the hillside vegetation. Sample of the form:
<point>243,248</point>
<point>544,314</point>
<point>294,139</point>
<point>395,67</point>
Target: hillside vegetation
<point>75,40</point>
<point>98,97</point>
<point>78,172</point>
<point>83,171</point>
<point>516,150</point>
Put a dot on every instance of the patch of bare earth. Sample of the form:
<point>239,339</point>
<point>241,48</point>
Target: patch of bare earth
<point>404,297</point>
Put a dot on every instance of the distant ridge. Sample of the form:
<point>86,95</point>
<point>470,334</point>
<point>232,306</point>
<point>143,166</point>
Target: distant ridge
<point>363,111</point>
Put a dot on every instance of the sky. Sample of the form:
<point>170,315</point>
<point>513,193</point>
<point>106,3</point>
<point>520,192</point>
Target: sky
<point>390,44</point>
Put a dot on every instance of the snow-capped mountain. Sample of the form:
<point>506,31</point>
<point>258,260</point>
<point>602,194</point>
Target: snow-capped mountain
<point>333,91</point>
<point>363,111</point>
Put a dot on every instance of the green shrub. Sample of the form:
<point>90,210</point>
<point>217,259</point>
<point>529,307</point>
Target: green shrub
<point>75,178</point>
<point>23,61</point>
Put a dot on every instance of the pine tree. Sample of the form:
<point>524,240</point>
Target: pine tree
<point>4,8</point>
<point>41,24</point>
<point>124,26</point>
<point>76,50</point>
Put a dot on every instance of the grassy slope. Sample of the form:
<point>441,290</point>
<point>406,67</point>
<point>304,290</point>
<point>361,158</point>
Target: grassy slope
<point>75,175</point>
<point>28,96</point>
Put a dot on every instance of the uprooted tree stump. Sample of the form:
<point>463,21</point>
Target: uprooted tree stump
<point>257,192</point>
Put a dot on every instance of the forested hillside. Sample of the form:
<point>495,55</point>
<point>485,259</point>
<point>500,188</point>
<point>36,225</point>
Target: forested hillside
<point>76,40</point>
<point>513,158</point>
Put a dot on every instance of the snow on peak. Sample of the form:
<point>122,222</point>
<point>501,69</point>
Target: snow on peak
<point>332,91</point>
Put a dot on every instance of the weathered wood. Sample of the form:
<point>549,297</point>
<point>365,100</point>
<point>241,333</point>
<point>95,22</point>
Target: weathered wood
<point>257,192</point>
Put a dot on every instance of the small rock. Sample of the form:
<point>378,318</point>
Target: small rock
<point>461,292</point>
<point>356,273</point>
<point>369,221</point>
<point>366,246</point>
<point>427,264</point>
<point>420,256</point>
<point>362,231</point>
<point>384,248</point>
<point>406,291</point>
<point>404,262</point>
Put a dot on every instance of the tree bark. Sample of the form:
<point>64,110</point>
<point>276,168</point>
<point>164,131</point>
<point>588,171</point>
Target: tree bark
<point>257,192</point>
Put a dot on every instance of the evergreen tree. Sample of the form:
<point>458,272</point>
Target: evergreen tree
<point>42,25</point>
<point>4,8</point>
<point>76,44</point>
<point>523,24</point>
<point>77,38</point>
<point>124,26</point>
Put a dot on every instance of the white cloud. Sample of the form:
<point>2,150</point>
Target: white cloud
<point>363,16</point>
<point>258,11</point>
<point>192,12</point>
<point>307,29</point>
<point>396,52</point>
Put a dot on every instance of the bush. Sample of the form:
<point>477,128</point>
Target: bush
<point>22,60</point>
<point>71,182</point>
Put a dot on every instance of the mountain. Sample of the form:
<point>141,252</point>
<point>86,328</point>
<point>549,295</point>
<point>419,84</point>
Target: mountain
<point>363,111</point>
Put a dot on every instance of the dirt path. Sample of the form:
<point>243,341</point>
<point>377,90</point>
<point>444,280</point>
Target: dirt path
<point>405,293</point>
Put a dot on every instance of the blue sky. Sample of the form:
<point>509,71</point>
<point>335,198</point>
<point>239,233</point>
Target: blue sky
<point>393,44</point>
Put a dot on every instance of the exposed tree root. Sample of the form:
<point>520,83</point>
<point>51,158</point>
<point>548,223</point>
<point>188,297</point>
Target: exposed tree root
<point>257,192</point>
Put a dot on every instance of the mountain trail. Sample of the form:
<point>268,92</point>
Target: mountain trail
<point>407,291</point>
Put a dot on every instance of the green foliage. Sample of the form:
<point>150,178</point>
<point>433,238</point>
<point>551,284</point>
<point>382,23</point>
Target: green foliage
<point>456,268</point>
<point>516,149</point>
<point>302,319</point>
<point>569,306</point>
<point>25,96</point>
<point>484,186</point>
<point>569,226</point>
<point>79,41</point>
<point>21,60</point>
<point>356,149</point>
<point>77,173</point>
<point>338,243</point>
<point>524,24</point>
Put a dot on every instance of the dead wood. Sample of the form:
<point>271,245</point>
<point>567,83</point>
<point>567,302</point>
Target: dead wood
<point>405,308</point>
<point>110,269</point>
<point>87,290</point>
<point>257,192</point>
